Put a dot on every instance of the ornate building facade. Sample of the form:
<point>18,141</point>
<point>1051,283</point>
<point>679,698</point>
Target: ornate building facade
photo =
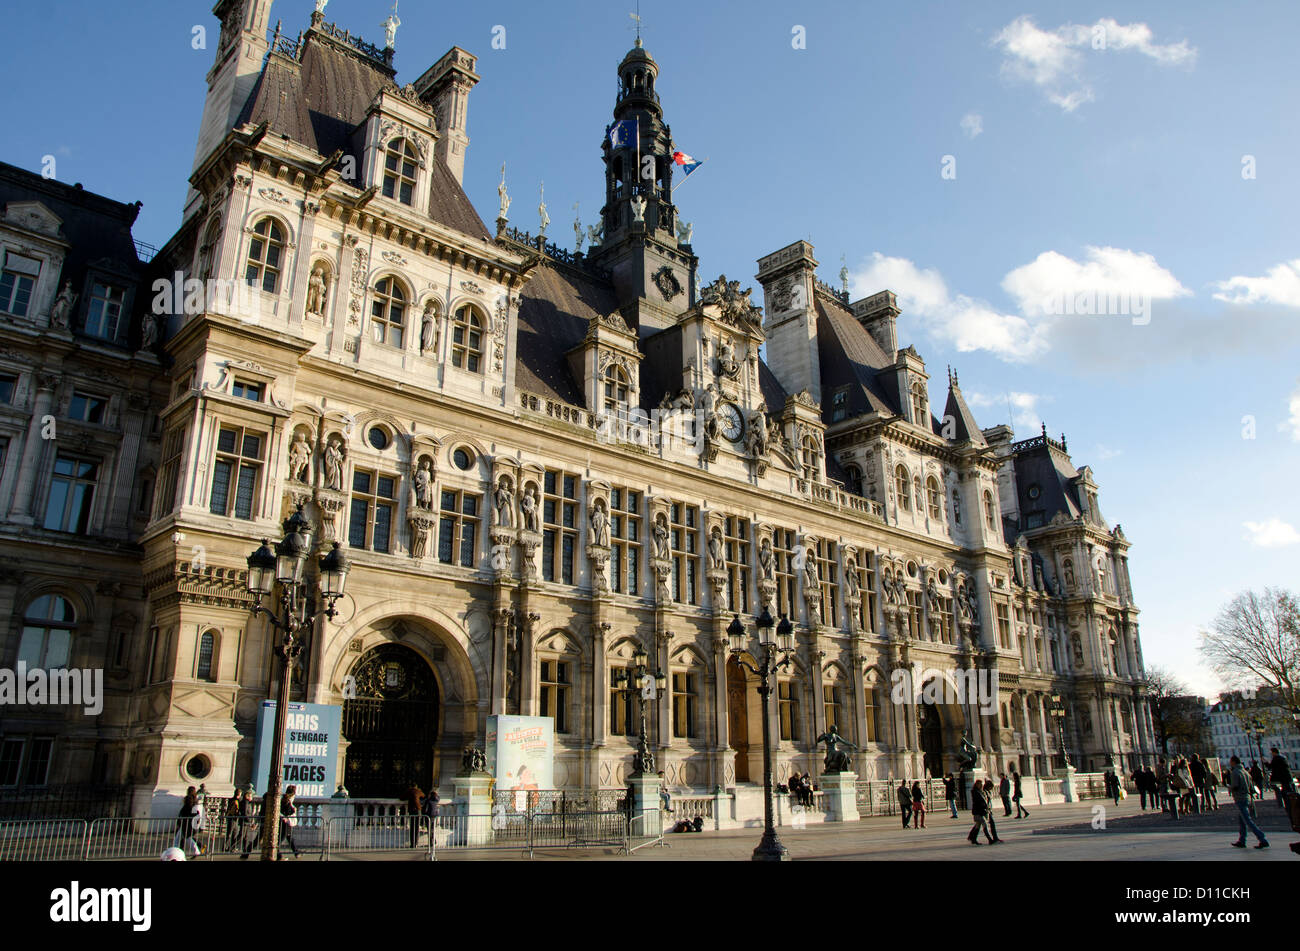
<point>538,460</point>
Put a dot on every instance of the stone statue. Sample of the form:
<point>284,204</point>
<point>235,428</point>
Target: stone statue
<point>661,537</point>
<point>685,231</point>
<point>473,760</point>
<point>728,366</point>
<point>300,459</point>
<point>838,759</point>
<point>577,230</point>
<point>596,233</point>
<point>528,506</point>
<point>956,507</point>
<point>316,291</point>
<point>599,524</point>
<point>811,579</point>
<point>429,328</point>
<point>852,588</point>
<point>423,486</point>
<point>504,500</point>
<point>334,456</point>
<point>148,331</point>
<point>970,610</point>
<point>541,213</point>
<point>709,412</point>
<point>320,5</point>
<point>1038,578</point>
<point>638,209</point>
<point>717,551</point>
<point>766,560</point>
<point>505,198</point>
<point>1069,575</point>
<point>61,312</point>
<point>932,597</point>
<point>892,593</point>
<point>758,438</point>
<point>390,30</point>
<point>968,757</point>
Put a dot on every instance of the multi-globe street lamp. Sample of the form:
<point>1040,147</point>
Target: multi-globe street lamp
<point>775,651</point>
<point>637,678</point>
<point>285,564</point>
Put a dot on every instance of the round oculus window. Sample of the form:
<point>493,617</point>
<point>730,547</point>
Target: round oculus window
<point>462,459</point>
<point>378,438</point>
<point>198,767</point>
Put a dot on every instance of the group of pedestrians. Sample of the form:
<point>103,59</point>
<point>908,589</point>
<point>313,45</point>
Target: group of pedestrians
<point>418,806</point>
<point>801,789</point>
<point>911,804</point>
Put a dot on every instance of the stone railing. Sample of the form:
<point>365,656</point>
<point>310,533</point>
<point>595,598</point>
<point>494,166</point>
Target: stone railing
<point>837,497</point>
<point>692,806</point>
<point>557,410</point>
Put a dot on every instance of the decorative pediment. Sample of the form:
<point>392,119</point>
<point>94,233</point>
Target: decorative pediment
<point>33,216</point>
<point>734,305</point>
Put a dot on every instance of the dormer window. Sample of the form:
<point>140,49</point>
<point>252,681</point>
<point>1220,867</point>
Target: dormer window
<point>245,390</point>
<point>388,313</point>
<point>400,163</point>
<point>265,256</point>
<point>616,390</point>
<point>918,404</point>
<point>902,485</point>
<point>105,311</point>
<point>467,339</point>
<point>839,406</point>
<point>812,461</point>
<point>17,282</point>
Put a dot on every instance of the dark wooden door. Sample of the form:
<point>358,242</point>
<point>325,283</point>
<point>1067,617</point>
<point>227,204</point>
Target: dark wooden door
<point>738,720</point>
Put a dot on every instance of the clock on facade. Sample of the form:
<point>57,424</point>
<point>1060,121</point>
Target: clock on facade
<point>730,422</point>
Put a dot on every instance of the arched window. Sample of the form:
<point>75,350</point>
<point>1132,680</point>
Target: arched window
<point>932,496</point>
<point>616,390</point>
<point>46,641</point>
<point>467,340</point>
<point>989,513</point>
<point>812,460</point>
<point>854,479</point>
<point>265,256</point>
<point>388,313</point>
<point>918,403</point>
<point>902,486</point>
<point>207,649</point>
<point>400,162</point>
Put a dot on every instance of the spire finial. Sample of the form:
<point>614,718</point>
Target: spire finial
<point>637,18</point>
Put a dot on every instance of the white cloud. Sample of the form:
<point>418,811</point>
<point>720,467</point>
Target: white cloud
<point>972,123</point>
<point>1023,407</point>
<point>1054,284</point>
<point>1293,421</point>
<point>966,323</point>
<point>1053,60</point>
<point>1281,285</point>
<point>1274,533</point>
<point>1105,452</point>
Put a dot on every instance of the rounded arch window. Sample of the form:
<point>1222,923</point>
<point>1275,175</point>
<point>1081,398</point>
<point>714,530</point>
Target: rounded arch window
<point>208,249</point>
<point>462,458</point>
<point>989,512</point>
<point>378,438</point>
<point>400,163</point>
<point>902,485</point>
<point>266,256</point>
<point>388,313</point>
<point>616,388</point>
<point>467,339</point>
<point>932,496</point>
<point>854,476</point>
<point>207,656</point>
<point>811,459</point>
<point>48,626</point>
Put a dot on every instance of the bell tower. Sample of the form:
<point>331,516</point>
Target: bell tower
<point>653,267</point>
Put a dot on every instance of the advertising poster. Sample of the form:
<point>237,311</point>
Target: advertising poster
<point>521,755</point>
<point>311,748</point>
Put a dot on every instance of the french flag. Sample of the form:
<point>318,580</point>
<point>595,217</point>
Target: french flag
<point>687,163</point>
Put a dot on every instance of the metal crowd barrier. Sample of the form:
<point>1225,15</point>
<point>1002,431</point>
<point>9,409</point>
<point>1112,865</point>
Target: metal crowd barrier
<point>43,840</point>
<point>145,839</point>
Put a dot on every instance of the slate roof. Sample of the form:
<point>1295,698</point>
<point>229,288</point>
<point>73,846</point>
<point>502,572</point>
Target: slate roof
<point>555,308</point>
<point>1050,469</point>
<point>850,356</point>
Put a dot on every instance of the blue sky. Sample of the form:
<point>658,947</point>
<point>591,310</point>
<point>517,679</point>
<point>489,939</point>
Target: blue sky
<point>1147,151</point>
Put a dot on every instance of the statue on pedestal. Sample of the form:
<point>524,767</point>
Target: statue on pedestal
<point>968,755</point>
<point>838,759</point>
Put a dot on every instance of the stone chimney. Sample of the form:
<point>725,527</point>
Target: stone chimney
<point>445,88</point>
<point>878,314</point>
<point>788,277</point>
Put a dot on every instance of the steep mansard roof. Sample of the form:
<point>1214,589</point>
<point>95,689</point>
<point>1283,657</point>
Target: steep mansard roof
<point>849,356</point>
<point>319,99</point>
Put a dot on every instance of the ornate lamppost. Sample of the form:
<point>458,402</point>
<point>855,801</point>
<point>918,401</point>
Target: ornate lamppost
<point>292,619</point>
<point>1258,728</point>
<point>1058,714</point>
<point>638,678</point>
<point>775,651</point>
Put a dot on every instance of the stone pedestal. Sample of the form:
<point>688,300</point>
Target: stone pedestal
<point>646,814</point>
<point>968,779</point>
<point>1067,785</point>
<point>841,800</point>
<point>473,802</point>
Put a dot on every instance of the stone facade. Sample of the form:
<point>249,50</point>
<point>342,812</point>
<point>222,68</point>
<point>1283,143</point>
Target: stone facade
<point>540,460</point>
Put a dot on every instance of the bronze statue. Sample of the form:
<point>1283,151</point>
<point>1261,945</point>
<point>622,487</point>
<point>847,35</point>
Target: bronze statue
<point>969,756</point>
<point>838,759</point>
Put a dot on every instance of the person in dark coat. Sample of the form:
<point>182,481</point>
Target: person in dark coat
<point>189,821</point>
<point>918,806</point>
<point>1153,788</point>
<point>1017,794</point>
<point>1197,769</point>
<point>1279,775</point>
<point>988,805</point>
<point>795,785</point>
<point>905,802</point>
<point>980,812</point>
<point>1004,791</point>
<point>414,804</point>
<point>288,820</point>
<point>950,794</point>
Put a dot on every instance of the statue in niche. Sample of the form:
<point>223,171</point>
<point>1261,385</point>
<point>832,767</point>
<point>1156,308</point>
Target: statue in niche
<point>767,560</point>
<point>504,497</point>
<point>335,454</point>
<point>932,597</point>
<point>148,332</point>
<point>300,459</point>
<point>423,486</point>
<point>528,506</point>
<point>811,578</point>
<point>852,588</point>
<point>717,551</point>
<point>728,366</point>
<point>661,537</point>
<point>61,312</point>
<point>757,438</point>
<point>316,290</point>
<point>429,328</point>
<point>599,524</point>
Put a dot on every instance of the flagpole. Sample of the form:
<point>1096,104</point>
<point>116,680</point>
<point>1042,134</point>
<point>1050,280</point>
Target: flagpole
<point>687,176</point>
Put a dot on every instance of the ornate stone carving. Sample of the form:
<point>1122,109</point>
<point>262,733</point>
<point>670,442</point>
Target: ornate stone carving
<point>666,281</point>
<point>335,454</point>
<point>300,459</point>
<point>734,304</point>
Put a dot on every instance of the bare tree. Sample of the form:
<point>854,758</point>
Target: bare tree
<point>1163,691</point>
<point>1256,637</point>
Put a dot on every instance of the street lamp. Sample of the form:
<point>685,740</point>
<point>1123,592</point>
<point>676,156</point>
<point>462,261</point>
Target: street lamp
<point>1058,714</point>
<point>1257,727</point>
<point>638,678</point>
<point>776,651</point>
<point>285,564</point>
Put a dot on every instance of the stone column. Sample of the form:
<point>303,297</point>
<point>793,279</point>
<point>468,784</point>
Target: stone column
<point>21,510</point>
<point>663,707</point>
<point>527,674</point>
<point>1024,733</point>
<point>1046,735</point>
<point>502,620</point>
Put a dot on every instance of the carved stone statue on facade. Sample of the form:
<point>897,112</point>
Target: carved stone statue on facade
<point>300,459</point>
<point>838,751</point>
<point>891,592</point>
<point>316,290</point>
<point>599,524</point>
<point>811,578</point>
<point>528,508</point>
<point>504,498</point>
<point>766,560</point>
<point>660,533</point>
<point>501,194</point>
<point>148,332</point>
<point>390,31</point>
<point>757,440</point>
<point>932,598</point>
<point>422,486</point>
<point>61,312</point>
<point>596,234</point>
<point>335,453</point>
<point>429,328</point>
<point>717,550</point>
<point>638,209</point>
<point>852,587</point>
<point>685,231</point>
<point>728,365</point>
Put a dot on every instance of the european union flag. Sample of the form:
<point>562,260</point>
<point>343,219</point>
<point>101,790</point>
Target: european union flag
<point>622,134</point>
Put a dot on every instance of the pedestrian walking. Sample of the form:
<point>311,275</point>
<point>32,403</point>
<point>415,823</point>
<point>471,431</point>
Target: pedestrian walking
<point>950,794</point>
<point>232,819</point>
<point>189,820</point>
<point>979,811</point>
<point>1279,775</point>
<point>918,806</point>
<point>249,823</point>
<point>1243,790</point>
<point>288,820</point>
<point>1211,786</point>
<point>1017,794</point>
<point>988,800</point>
<point>1153,789</point>
<point>1004,791</point>
<point>905,802</point>
<point>414,803</point>
<point>1198,771</point>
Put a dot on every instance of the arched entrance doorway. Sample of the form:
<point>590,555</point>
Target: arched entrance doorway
<point>931,734</point>
<point>391,724</point>
<point>738,718</point>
